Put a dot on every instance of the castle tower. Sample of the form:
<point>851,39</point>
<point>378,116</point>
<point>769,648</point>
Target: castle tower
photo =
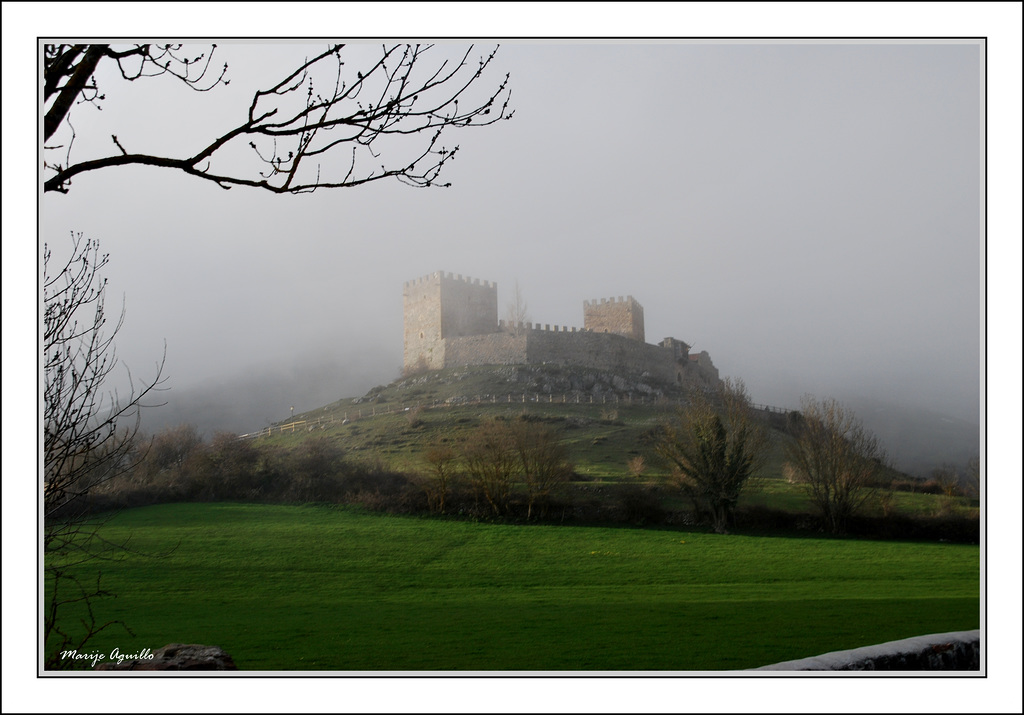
<point>619,317</point>
<point>441,306</point>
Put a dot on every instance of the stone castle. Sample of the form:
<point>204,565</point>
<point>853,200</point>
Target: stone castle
<point>451,321</point>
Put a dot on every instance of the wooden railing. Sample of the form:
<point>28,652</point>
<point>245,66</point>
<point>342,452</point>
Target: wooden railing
<point>359,412</point>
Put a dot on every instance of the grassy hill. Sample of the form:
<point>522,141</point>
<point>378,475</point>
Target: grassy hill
<point>604,419</point>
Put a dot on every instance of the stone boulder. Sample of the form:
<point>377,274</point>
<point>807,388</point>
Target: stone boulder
<point>177,656</point>
<point>941,651</point>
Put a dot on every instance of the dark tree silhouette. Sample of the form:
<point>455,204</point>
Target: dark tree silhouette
<point>325,124</point>
<point>715,446</point>
<point>89,438</point>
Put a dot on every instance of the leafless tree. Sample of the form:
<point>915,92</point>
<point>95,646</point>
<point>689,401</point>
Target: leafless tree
<point>637,466</point>
<point>836,458</point>
<point>542,461</point>
<point>973,476</point>
<point>491,463</point>
<point>442,461</point>
<point>516,316</point>
<point>324,124</point>
<point>89,434</point>
<point>947,477</point>
<point>172,447</point>
<point>715,446</point>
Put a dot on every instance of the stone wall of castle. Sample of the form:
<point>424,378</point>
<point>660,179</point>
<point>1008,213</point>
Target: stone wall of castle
<point>624,317</point>
<point>468,307</point>
<point>492,349</point>
<point>599,351</point>
<point>602,351</point>
<point>451,321</point>
<point>441,306</point>
<point>703,362</point>
<point>421,308</point>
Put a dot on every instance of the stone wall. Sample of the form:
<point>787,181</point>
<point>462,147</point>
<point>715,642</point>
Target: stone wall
<point>562,346</point>
<point>421,308</point>
<point>941,651</point>
<point>468,306</point>
<point>441,306</point>
<point>703,363</point>
<point>602,351</point>
<point>493,349</point>
<point>624,317</point>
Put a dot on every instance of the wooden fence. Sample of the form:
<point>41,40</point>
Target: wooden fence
<point>359,412</point>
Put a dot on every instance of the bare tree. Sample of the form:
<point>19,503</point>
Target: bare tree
<point>836,458</point>
<point>172,447</point>
<point>715,446</point>
<point>542,460</point>
<point>637,466</point>
<point>492,464</point>
<point>947,477</point>
<point>973,476</point>
<point>89,435</point>
<point>442,460</point>
<point>516,316</point>
<point>324,124</point>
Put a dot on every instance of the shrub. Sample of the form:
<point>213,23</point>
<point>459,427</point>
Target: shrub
<point>442,464</point>
<point>640,504</point>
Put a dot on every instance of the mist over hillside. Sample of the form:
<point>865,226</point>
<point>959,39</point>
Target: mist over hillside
<point>916,440</point>
<point>265,394</point>
<point>919,440</point>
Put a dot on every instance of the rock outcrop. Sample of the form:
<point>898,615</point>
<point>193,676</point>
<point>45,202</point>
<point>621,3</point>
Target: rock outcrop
<point>177,656</point>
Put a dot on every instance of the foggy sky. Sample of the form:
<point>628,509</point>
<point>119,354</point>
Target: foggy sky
<point>808,213</point>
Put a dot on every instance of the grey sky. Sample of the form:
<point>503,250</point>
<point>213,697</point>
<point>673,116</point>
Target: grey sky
<point>809,213</point>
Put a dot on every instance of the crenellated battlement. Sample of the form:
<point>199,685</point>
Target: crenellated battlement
<point>504,325</point>
<point>606,301</point>
<point>442,276</point>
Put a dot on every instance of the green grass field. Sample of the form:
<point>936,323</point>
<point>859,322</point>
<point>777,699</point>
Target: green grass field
<point>321,588</point>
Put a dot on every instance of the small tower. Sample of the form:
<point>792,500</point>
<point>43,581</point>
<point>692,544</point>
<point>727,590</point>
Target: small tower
<point>620,317</point>
<point>441,306</point>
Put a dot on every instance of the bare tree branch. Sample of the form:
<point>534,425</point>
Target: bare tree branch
<point>292,136</point>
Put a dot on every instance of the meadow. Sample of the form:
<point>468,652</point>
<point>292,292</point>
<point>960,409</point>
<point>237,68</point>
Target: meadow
<point>317,587</point>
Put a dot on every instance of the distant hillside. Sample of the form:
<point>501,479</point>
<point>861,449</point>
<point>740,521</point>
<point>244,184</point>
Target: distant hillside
<point>918,440</point>
<point>605,419</point>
